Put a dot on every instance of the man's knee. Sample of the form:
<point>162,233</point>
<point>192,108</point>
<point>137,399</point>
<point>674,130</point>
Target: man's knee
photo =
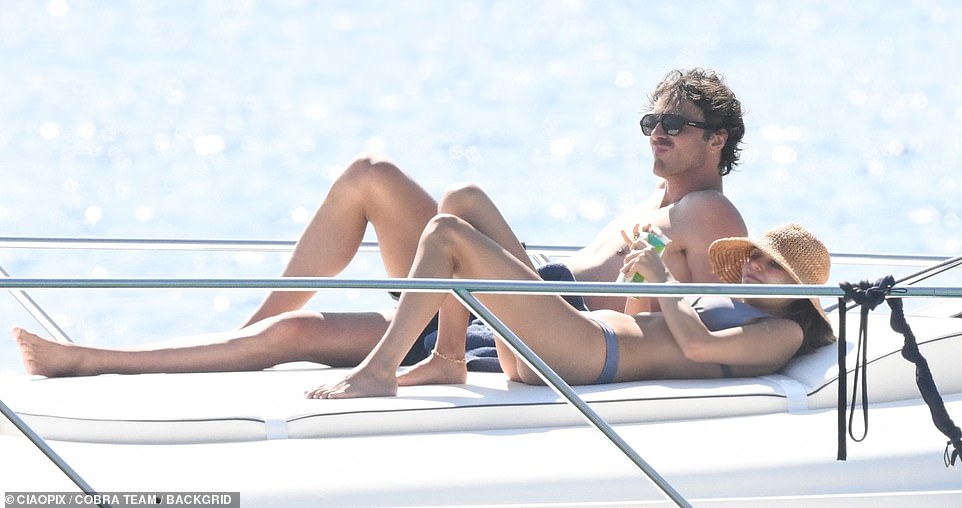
<point>289,328</point>
<point>369,168</point>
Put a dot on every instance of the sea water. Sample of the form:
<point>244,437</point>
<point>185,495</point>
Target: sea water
<point>220,119</point>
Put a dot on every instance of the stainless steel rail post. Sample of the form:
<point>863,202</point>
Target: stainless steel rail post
<point>565,390</point>
<point>45,448</point>
<point>38,313</point>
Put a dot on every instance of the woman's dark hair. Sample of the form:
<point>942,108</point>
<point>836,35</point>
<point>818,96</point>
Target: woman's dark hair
<point>816,332</point>
<point>707,90</point>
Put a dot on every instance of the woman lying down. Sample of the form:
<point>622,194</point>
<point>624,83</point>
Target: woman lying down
<point>708,337</point>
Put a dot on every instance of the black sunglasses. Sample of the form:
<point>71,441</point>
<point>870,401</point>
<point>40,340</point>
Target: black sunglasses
<point>671,122</point>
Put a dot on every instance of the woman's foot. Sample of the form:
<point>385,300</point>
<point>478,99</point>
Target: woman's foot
<point>360,382</point>
<point>437,369</point>
<point>48,358</point>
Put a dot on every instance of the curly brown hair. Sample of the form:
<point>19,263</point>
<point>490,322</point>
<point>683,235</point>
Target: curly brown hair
<point>708,91</point>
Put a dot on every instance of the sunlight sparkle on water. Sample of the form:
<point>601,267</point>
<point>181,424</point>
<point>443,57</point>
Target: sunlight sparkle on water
<point>58,8</point>
<point>563,147</point>
<point>315,111</point>
<point>209,144</point>
<point>300,215</point>
<point>784,154</point>
<point>558,211</point>
<point>624,79</point>
<point>249,257</point>
<point>162,143</point>
<point>93,214</point>
<point>144,213</point>
<point>925,215</point>
<point>592,209</point>
<point>49,130</point>
<point>221,303</point>
<point>876,168</point>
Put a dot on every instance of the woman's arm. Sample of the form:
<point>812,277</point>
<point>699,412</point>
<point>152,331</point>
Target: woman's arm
<point>767,342</point>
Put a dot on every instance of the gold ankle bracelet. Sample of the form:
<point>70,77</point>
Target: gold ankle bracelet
<point>462,361</point>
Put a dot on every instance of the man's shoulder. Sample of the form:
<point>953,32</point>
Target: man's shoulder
<point>708,214</point>
<point>705,195</point>
<point>698,201</point>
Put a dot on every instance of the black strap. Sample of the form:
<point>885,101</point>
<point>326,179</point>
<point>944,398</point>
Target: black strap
<point>926,384</point>
<point>868,297</point>
<point>842,380</point>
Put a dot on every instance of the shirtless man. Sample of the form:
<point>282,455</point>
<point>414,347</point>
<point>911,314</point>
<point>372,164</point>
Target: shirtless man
<point>695,127</point>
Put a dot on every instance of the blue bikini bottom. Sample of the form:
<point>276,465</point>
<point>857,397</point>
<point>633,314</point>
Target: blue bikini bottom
<point>612,354</point>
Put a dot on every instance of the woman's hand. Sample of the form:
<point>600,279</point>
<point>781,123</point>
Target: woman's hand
<point>642,257</point>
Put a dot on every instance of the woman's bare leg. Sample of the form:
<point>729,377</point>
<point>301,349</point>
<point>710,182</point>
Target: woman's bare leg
<point>473,205</point>
<point>336,339</point>
<point>370,191</point>
<point>447,363</point>
<point>451,247</point>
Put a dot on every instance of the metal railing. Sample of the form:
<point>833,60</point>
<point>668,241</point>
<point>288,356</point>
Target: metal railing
<point>168,244</point>
<point>131,243</point>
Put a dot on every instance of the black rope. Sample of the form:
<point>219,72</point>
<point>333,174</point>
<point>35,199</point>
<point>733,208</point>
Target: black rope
<point>926,384</point>
<point>869,296</point>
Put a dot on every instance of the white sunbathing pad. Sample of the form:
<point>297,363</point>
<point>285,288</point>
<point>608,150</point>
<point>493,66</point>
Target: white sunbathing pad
<point>247,406</point>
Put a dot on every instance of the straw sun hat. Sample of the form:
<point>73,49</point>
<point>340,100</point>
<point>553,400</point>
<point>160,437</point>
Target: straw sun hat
<point>798,251</point>
<point>802,255</point>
